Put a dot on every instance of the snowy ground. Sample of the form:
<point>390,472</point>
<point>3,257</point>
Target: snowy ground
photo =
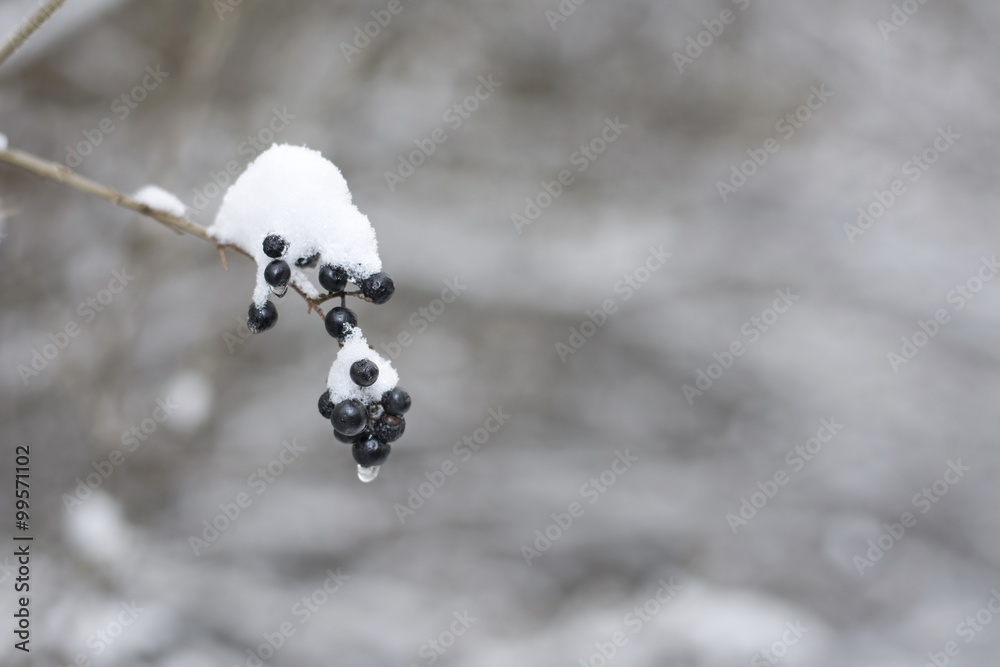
<point>877,544</point>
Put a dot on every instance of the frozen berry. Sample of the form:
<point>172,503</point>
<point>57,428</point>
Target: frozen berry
<point>332,278</point>
<point>263,318</point>
<point>277,273</point>
<point>370,451</point>
<point>378,287</point>
<point>364,372</point>
<point>326,405</point>
<point>389,428</point>
<point>340,321</point>
<point>396,401</point>
<point>307,262</point>
<point>349,417</point>
<point>275,246</point>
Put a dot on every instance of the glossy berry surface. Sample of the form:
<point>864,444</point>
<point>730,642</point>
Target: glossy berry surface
<point>332,278</point>
<point>349,417</point>
<point>277,273</point>
<point>275,246</point>
<point>378,287</point>
<point>307,262</point>
<point>364,372</point>
<point>325,405</point>
<point>370,451</point>
<point>396,401</point>
<point>340,321</point>
<point>263,318</point>
<point>389,428</point>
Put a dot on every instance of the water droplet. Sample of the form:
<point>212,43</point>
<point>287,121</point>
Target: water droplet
<point>367,474</point>
<point>278,291</point>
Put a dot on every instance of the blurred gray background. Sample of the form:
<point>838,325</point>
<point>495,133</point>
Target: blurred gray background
<point>816,557</point>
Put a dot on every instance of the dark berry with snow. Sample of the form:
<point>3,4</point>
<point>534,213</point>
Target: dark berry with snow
<point>325,405</point>
<point>370,451</point>
<point>307,261</point>
<point>364,372</point>
<point>388,428</point>
<point>261,318</point>
<point>332,278</point>
<point>346,439</point>
<point>396,401</point>
<point>274,246</point>
<point>349,417</point>
<point>277,273</point>
<point>378,287</point>
<point>340,321</point>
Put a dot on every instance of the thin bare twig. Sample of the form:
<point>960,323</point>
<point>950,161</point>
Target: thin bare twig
<point>61,174</point>
<point>28,28</point>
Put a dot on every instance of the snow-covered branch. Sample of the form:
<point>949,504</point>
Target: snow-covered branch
<point>61,174</point>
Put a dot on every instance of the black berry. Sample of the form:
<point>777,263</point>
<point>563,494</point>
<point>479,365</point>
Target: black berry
<point>277,273</point>
<point>378,287</point>
<point>364,372</point>
<point>349,417</point>
<point>347,439</point>
<point>340,321</point>
<point>332,278</point>
<point>389,428</point>
<point>274,246</point>
<point>396,401</point>
<point>263,318</point>
<point>326,405</point>
<point>307,262</point>
<point>370,451</point>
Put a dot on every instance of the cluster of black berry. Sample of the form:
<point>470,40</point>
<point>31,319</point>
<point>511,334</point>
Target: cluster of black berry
<point>377,288</point>
<point>368,428</point>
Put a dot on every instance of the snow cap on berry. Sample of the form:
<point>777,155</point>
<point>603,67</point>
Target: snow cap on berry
<point>298,194</point>
<point>339,381</point>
